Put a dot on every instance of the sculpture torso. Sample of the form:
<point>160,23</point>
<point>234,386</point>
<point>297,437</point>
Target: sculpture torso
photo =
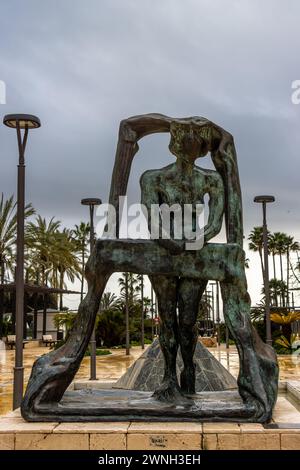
<point>174,185</point>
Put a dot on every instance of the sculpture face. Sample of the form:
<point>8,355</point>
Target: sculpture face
<point>186,142</point>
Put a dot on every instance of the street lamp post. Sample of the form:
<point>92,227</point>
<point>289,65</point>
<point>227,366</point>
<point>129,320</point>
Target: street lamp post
<point>20,122</point>
<point>127,315</point>
<point>152,311</point>
<point>264,200</point>
<point>142,318</point>
<point>92,202</point>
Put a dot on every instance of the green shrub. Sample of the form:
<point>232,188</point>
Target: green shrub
<point>99,352</point>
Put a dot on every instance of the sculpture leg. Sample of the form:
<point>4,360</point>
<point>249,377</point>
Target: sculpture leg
<point>53,372</point>
<point>165,288</point>
<point>189,296</point>
<point>258,376</point>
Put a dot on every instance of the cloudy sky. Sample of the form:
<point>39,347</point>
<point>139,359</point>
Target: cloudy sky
<point>84,66</point>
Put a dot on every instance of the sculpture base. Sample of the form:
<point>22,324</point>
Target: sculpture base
<point>123,405</point>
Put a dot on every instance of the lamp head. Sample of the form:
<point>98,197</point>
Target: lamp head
<point>23,120</point>
<point>91,201</point>
<point>264,198</point>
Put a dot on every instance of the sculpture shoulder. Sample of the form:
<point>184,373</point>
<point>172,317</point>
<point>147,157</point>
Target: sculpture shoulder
<point>212,177</point>
<point>153,176</point>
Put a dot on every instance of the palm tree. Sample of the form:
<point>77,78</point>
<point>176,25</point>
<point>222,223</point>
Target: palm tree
<point>129,288</point>
<point>109,301</point>
<point>273,250</point>
<point>291,245</point>
<point>140,277</point>
<point>278,289</point>
<point>280,241</point>
<point>8,231</point>
<point>64,259</point>
<point>256,244</point>
<point>133,286</point>
<point>81,234</point>
<point>41,242</point>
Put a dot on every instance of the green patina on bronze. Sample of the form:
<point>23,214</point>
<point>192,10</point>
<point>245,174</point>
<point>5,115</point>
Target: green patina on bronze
<point>179,278</point>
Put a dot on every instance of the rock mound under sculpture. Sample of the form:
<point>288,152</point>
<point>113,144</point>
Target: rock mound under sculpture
<point>147,371</point>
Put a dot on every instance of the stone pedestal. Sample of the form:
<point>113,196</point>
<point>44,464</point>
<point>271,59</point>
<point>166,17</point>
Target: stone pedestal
<point>283,433</point>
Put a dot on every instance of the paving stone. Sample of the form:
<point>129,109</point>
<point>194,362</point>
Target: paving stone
<point>7,441</point>
<point>95,428</point>
<point>116,441</point>
<point>290,441</point>
<point>259,441</point>
<point>252,427</point>
<point>228,441</point>
<point>165,428</point>
<point>15,424</point>
<point>221,428</point>
<point>39,441</point>
<point>210,441</point>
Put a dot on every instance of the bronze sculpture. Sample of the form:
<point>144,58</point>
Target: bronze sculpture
<point>175,274</point>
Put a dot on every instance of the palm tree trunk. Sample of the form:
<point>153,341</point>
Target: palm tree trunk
<point>281,267</point>
<point>274,265</point>
<point>62,273</point>
<point>261,263</point>
<point>281,273</point>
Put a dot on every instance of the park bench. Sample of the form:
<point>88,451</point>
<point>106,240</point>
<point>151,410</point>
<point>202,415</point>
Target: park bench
<point>48,340</point>
<point>11,341</point>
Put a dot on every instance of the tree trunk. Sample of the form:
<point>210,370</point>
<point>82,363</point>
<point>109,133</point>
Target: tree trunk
<point>281,273</point>
<point>261,263</point>
<point>62,274</point>
<point>44,331</point>
<point>35,315</point>
<point>274,265</point>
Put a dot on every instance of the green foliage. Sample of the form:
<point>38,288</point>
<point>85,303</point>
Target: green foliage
<point>64,320</point>
<point>283,345</point>
<point>99,352</point>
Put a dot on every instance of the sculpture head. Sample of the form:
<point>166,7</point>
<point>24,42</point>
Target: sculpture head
<point>189,140</point>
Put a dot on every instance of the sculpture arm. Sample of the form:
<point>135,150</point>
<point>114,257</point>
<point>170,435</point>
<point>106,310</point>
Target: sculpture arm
<point>216,208</point>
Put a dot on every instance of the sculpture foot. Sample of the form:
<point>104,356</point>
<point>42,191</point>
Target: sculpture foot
<point>187,380</point>
<point>170,392</point>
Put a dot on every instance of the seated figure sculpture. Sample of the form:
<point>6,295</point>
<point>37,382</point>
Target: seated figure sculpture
<point>179,278</point>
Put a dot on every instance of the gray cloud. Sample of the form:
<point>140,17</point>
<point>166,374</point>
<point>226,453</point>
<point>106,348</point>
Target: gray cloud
<point>82,67</point>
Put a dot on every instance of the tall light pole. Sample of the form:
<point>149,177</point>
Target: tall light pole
<point>264,200</point>
<point>142,318</point>
<point>127,315</point>
<point>92,202</point>
<point>152,311</point>
<point>20,122</point>
<point>218,312</point>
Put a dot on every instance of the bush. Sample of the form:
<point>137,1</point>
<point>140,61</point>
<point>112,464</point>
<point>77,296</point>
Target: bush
<point>99,352</point>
